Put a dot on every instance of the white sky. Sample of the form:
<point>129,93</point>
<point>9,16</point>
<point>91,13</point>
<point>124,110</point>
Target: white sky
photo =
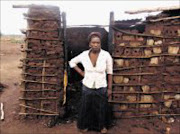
<point>78,12</point>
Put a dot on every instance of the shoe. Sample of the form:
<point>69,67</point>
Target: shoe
<point>83,130</point>
<point>103,131</point>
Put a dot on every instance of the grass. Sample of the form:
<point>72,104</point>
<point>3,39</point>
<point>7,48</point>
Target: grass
<point>13,38</point>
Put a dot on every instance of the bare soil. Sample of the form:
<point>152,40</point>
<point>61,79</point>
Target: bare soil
<point>10,76</point>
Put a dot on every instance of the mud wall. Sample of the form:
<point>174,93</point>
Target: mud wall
<point>42,63</point>
<point>146,79</point>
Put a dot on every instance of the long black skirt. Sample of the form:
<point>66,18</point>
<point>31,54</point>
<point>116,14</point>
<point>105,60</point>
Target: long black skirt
<point>94,111</point>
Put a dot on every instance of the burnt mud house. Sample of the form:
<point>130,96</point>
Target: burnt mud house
<point>146,65</point>
<point>146,80</point>
<point>43,62</point>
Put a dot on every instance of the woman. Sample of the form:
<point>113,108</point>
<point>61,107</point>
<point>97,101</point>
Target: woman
<point>97,63</point>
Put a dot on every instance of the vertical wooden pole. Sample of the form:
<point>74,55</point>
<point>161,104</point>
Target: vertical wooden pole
<point>23,85</point>
<point>110,37</point>
<point>111,33</point>
<point>43,80</point>
<point>65,58</point>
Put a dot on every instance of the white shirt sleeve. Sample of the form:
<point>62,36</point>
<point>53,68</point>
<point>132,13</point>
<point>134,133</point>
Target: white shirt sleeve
<point>109,64</point>
<point>73,62</point>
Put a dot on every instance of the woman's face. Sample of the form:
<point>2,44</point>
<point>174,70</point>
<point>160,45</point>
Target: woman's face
<point>95,44</point>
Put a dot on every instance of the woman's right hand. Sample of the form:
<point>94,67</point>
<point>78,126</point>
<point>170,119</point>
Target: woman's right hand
<point>79,71</point>
<point>82,74</point>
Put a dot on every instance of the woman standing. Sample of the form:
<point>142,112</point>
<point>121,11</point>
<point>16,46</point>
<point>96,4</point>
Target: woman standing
<point>97,63</point>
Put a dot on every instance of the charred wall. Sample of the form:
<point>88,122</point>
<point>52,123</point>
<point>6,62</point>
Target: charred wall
<point>146,77</point>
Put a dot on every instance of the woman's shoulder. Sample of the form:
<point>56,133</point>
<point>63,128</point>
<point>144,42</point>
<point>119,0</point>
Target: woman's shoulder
<point>105,52</point>
<point>84,52</point>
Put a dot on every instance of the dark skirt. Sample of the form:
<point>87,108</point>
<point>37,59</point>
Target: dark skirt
<point>94,111</point>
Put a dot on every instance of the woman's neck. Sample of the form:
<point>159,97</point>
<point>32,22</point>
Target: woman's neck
<point>95,52</point>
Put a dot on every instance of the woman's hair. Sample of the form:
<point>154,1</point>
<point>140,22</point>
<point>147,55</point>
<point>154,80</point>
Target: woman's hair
<point>94,34</point>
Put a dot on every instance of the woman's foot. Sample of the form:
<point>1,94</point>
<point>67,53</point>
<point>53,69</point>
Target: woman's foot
<point>104,130</point>
<point>83,130</point>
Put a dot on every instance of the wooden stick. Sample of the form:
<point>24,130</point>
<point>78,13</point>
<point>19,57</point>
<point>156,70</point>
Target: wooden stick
<point>37,29</point>
<point>31,81</point>
<point>133,74</point>
<point>143,46</point>
<point>47,111</point>
<point>137,84</point>
<point>136,110</point>
<point>157,92</point>
<point>143,57</point>
<point>47,58</point>
<point>31,99</point>
<point>55,8</point>
<point>39,66</point>
<point>38,114</point>
<point>41,19</point>
<point>22,6</point>
<point>30,50</point>
<point>143,116</point>
<point>45,90</point>
<point>38,38</point>
<point>26,65</point>
<point>172,23</point>
<point>43,80</point>
<point>135,57</point>
<point>111,33</point>
<point>40,75</point>
<point>170,54</point>
<point>65,78</point>
<point>172,43</point>
<point>143,35</point>
<point>146,10</point>
<point>166,18</point>
<point>133,67</point>
<point>137,102</point>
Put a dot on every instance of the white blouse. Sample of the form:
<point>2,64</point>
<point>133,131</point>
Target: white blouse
<point>94,77</point>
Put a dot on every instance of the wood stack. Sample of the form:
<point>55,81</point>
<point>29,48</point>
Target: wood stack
<point>146,71</point>
<point>43,62</point>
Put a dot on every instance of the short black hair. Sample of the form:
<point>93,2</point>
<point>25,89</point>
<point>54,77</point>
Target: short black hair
<point>94,34</point>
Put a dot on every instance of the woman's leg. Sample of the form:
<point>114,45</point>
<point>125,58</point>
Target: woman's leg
<point>100,106</point>
<point>84,115</point>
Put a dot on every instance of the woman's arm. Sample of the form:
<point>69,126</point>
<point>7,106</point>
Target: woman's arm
<point>73,64</point>
<point>109,67</point>
<point>109,86</point>
<point>74,61</point>
<point>79,71</point>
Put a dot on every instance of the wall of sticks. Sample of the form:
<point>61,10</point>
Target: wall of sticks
<point>146,79</point>
<point>43,62</point>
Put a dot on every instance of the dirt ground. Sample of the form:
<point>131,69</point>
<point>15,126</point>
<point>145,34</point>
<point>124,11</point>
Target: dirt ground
<point>13,124</point>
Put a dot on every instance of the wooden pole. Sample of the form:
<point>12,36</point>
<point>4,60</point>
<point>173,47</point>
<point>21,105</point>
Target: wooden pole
<point>110,35</point>
<point>153,10</point>
<point>22,6</point>
<point>41,110</point>
<point>66,58</point>
<point>166,18</point>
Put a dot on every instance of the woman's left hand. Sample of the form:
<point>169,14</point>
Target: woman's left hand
<point>109,94</point>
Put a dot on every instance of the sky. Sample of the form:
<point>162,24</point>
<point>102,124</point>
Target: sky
<point>79,12</point>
